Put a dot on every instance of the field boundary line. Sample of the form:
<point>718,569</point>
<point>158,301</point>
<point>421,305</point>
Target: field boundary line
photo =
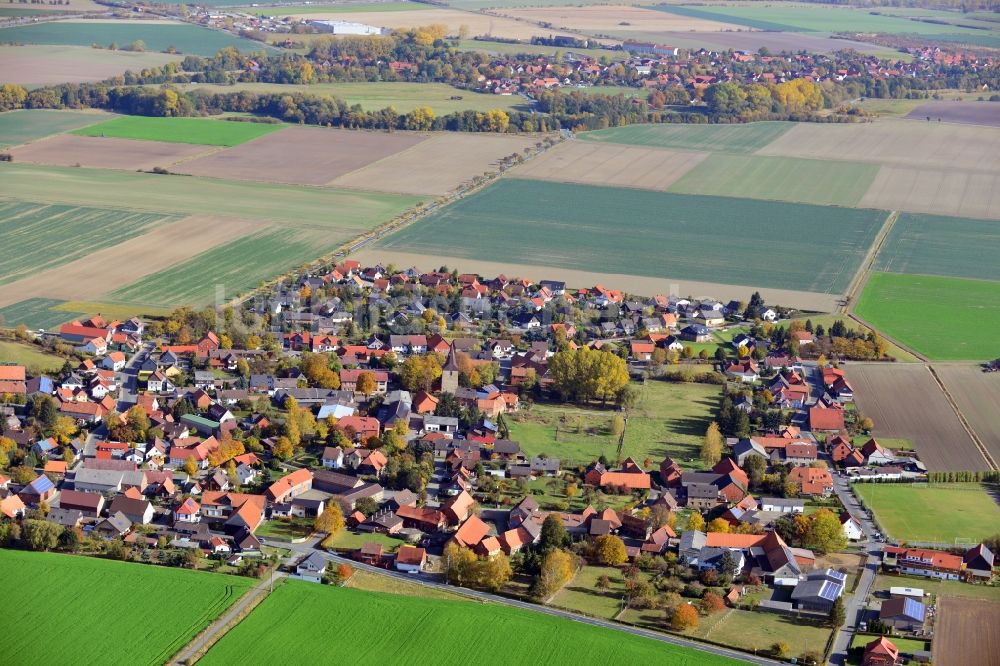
<point>868,264</point>
<point>965,424</point>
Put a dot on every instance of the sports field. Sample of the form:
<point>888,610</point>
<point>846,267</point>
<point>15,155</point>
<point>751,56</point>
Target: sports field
<point>410,630</point>
<point>38,236</point>
<point>938,513</point>
<point>936,245</point>
<point>110,612</point>
<point>205,131</point>
<point>17,127</point>
<point>157,36</point>
<point>904,307</point>
<point>662,235</point>
<point>668,419</point>
<point>744,138</point>
<point>825,183</point>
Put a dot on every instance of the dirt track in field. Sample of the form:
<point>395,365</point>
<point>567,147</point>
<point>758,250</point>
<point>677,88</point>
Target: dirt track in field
<point>103,271</point>
<point>906,402</point>
<point>436,166</point>
<point>301,155</point>
<point>978,396</point>
<point>894,142</point>
<point>603,20</point>
<point>592,163</point>
<point>965,632</point>
<point>106,152</point>
<point>953,192</point>
<point>633,284</point>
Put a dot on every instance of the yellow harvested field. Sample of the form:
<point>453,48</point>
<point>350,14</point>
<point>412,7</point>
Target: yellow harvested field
<point>634,284</point>
<point>478,24</point>
<point>35,65</point>
<point>953,192</point>
<point>106,152</point>
<point>436,166</point>
<point>894,142</point>
<point>301,155</point>
<point>599,19</point>
<point>103,271</point>
<point>619,165</point>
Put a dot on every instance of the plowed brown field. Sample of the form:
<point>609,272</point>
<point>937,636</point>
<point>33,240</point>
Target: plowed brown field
<point>978,396</point>
<point>906,402</point>
<point>966,632</point>
<point>106,152</point>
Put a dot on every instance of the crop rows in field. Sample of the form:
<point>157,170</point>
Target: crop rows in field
<point>184,37</point>
<point>905,306</point>
<point>234,268</point>
<point>936,245</point>
<point>36,236</point>
<point>110,604</point>
<point>410,630</point>
<point>743,138</point>
<point>35,313</point>
<point>205,131</point>
<point>637,232</point>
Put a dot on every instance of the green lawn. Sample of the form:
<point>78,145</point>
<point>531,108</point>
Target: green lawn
<point>888,442</point>
<point>36,313</point>
<point>901,306</point>
<point>17,127</point>
<point>100,601</point>
<point>821,182</point>
<point>348,540</point>
<point>337,212</point>
<point>948,588</point>
<point>737,138</point>
<point>908,645</point>
<point>363,580</point>
<point>184,37</point>
<point>374,96</point>
<point>745,630</point>
<point>285,529</point>
<point>937,513</point>
<point>669,419</point>
<point>938,245</point>
<point>37,236</point>
<point>29,356</point>
<point>654,234</point>
<point>410,630</point>
<point>205,131</point>
<point>583,596</point>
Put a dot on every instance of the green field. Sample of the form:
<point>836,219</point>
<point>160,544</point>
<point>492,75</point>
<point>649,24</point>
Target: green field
<point>669,419</point>
<point>581,595</point>
<point>184,37</point>
<point>36,313</point>
<point>737,138</point>
<point>236,267</point>
<point>340,212</point>
<point>937,513</point>
<point>348,540</point>
<point>374,96</point>
<point>303,617</point>
<point>655,234</point>
<point>902,306</point>
<point>948,588</point>
<point>37,236</point>
<point>787,17</point>
<point>820,182</point>
<point>205,131</point>
<point>17,127</point>
<point>109,612</point>
<point>29,356</point>
<point>937,245</point>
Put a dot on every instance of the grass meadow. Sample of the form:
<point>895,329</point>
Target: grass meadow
<point>820,182</point>
<point>17,127</point>
<point>938,245</point>
<point>662,235</point>
<point>38,236</point>
<point>410,630</point>
<point>184,37</point>
<point>743,138</point>
<point>29,356</point>
<point>108,612</point>
<point>946,319</point>
<point>669,419</point>
<point>932,513</point>
<point>205,131</point>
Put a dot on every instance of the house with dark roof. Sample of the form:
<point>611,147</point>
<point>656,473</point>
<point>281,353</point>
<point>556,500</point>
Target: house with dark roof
<point>903,613</point>
<point>979,563</point>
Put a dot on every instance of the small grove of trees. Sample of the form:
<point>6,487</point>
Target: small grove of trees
<point>820,531</point>
<point>610,550</point>
<point>585,374</point>
<point>557,569</point>
<point>463,567</point>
